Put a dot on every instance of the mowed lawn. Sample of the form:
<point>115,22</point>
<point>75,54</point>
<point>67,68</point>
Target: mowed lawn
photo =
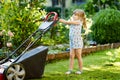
<point>95,67</point>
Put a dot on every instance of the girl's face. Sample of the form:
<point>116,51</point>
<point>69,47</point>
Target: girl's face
<point>75,16</point>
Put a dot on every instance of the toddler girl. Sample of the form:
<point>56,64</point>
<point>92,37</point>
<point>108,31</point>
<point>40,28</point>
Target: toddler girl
<point>76,43</point>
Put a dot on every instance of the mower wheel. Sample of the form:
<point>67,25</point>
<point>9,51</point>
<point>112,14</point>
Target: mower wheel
<point>15,72</point>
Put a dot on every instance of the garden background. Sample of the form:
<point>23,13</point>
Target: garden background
<point>20,18</point>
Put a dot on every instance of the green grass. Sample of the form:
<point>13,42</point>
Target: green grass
<point>95,68</point>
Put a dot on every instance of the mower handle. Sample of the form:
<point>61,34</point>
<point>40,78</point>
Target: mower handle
<point>54,18</point>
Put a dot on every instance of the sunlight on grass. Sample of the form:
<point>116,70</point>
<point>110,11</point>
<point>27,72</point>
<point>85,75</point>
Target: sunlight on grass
<point>114,55</point>
<point>87,69</point>
<point>117,64</point>
<point>91,68</point>
<point>95,67</point>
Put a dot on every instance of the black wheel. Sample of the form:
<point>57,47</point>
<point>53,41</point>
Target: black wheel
<point>15,72</point>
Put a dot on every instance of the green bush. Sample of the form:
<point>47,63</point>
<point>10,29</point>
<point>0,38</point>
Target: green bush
<point>93,6</point>
<point>19,19</point>
<point>106,26</point>
<point>59,34</point>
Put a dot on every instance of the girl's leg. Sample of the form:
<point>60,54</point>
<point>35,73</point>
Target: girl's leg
<point>72,55</point>
<point>78,53</point>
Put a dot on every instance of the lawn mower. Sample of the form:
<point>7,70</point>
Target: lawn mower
<point>29,63</point>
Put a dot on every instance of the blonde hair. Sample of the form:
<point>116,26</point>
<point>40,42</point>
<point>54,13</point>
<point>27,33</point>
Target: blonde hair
<point>81,15</point>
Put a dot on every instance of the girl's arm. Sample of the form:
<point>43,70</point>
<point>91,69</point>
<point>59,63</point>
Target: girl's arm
<point>69,22</point>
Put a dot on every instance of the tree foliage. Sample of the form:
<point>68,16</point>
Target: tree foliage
<point>93,6</point>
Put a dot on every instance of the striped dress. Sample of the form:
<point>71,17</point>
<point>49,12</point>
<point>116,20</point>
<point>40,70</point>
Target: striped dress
<point>75,36</point>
